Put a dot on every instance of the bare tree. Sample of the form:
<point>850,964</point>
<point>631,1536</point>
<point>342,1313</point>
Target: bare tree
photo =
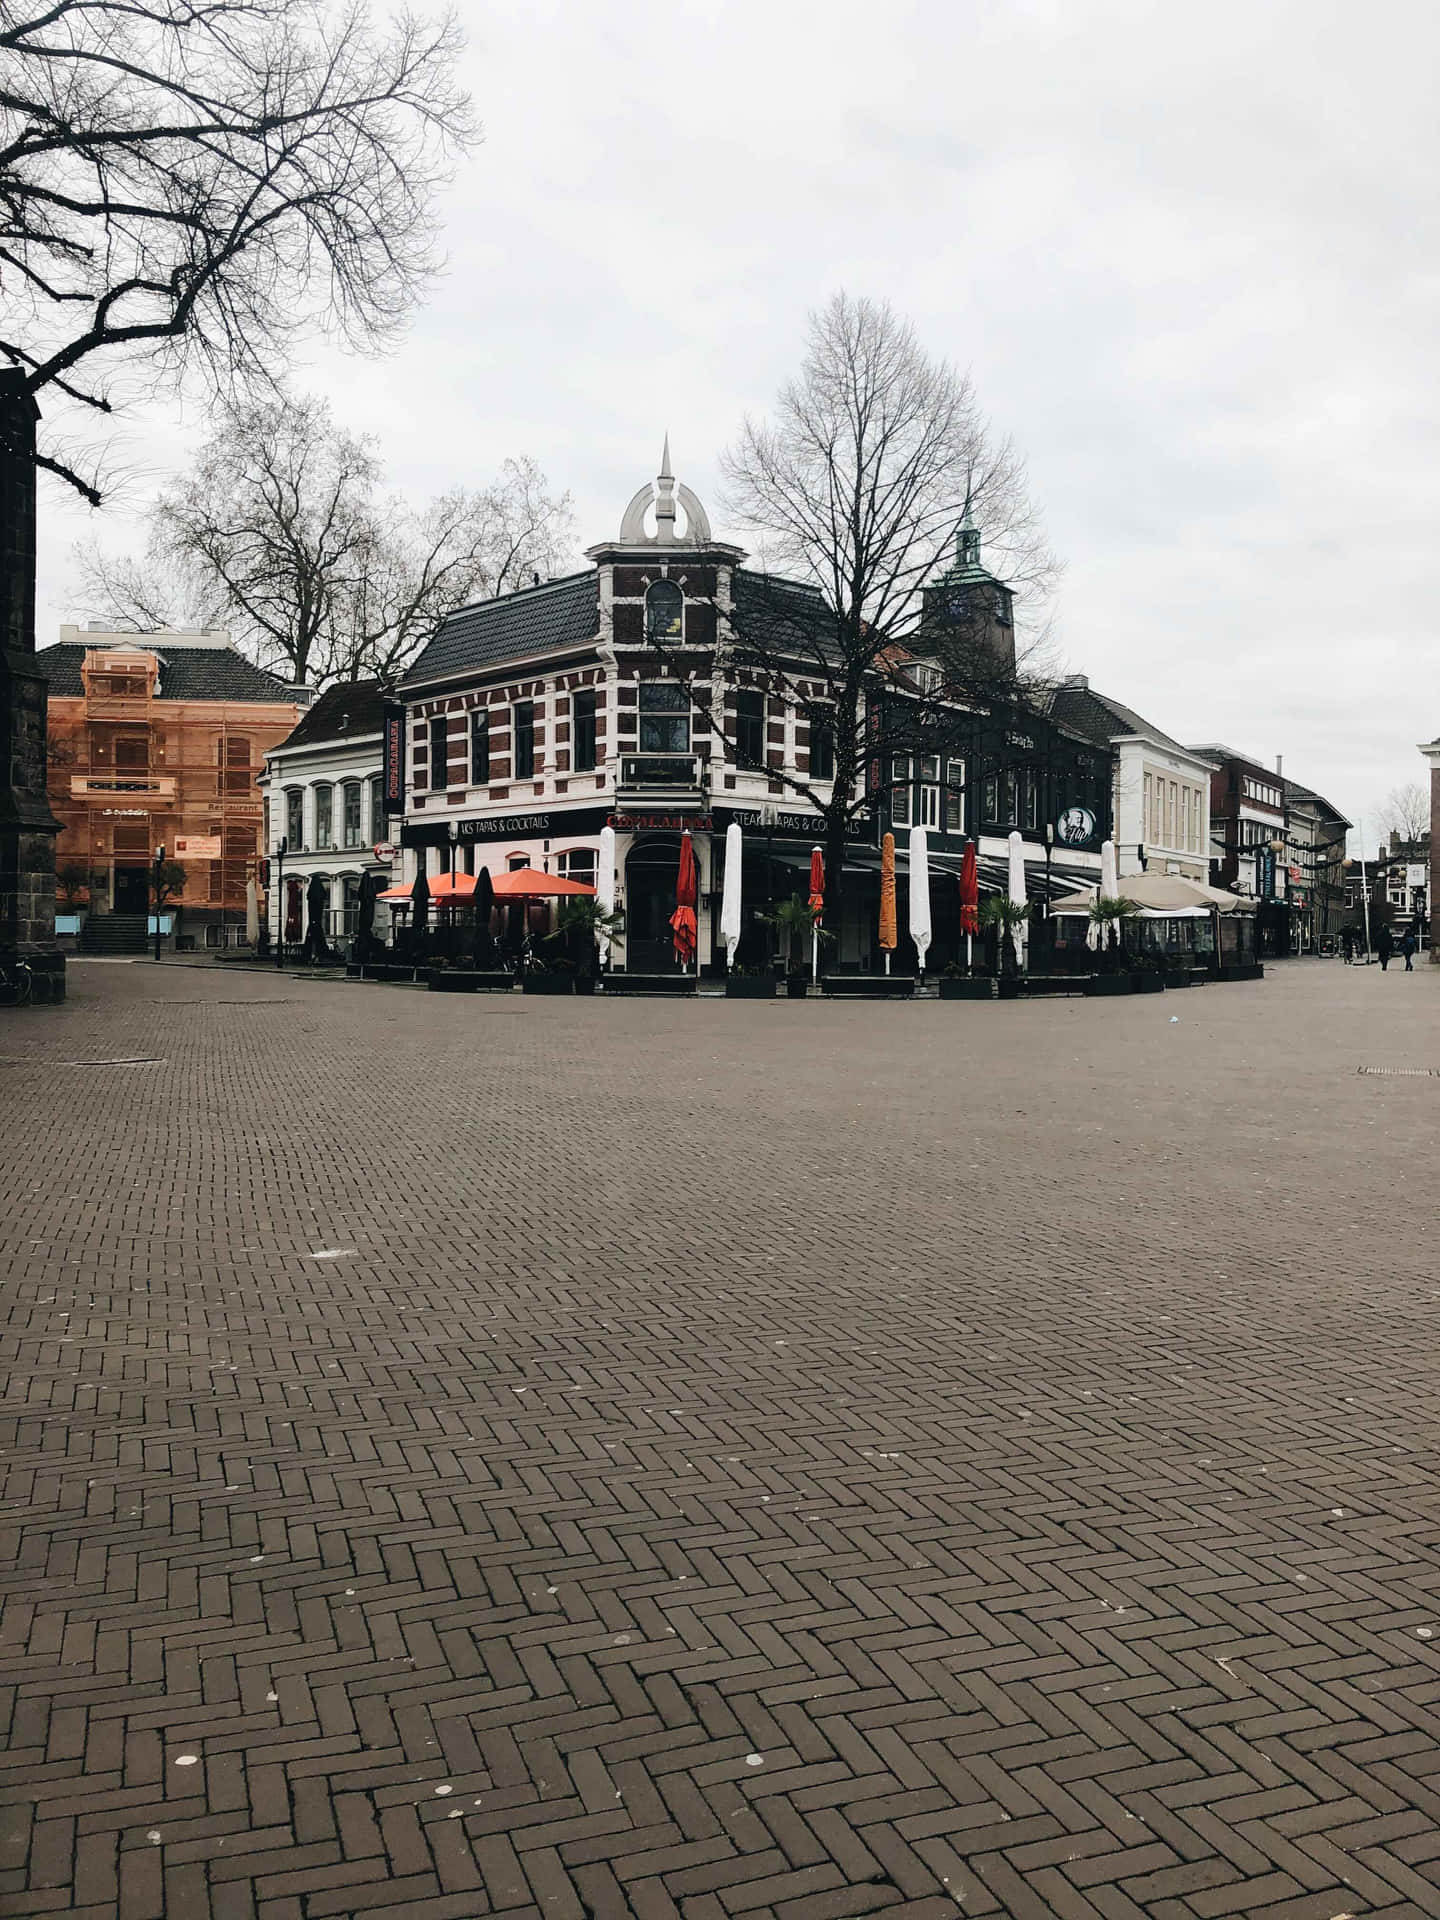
<point>465,546</point>
<point>1406,811</point>
<point>193,182</point>
<point>877,460</point>
<point>280,532</point>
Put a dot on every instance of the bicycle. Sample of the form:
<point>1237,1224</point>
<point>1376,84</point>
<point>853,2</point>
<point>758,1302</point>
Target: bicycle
<point>17,986</point>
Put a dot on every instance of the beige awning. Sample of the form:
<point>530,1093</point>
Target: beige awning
<point>1159,893</point>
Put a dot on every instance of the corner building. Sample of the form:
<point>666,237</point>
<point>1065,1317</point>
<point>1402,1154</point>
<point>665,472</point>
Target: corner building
<point>531,722</point>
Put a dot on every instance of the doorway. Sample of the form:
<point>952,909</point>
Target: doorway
<point>132,890</point>
<point>651,872</point>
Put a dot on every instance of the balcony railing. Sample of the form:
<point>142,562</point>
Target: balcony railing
<point>659,776</point>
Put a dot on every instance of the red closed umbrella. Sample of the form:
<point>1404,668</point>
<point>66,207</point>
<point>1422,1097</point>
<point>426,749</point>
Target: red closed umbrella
<point>687,892</point>
<point>969,898</point>
<point>969,891</point>
<point>817,906</point>
<point>817,880</point>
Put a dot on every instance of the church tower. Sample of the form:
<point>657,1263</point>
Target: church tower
<point>967,612</point>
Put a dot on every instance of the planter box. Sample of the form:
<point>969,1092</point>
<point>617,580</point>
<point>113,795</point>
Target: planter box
<point>467,980</point>
<point>796,987</point>
<point>650,983</point>
<point>548,983</point>
<point>585,983</point>
<point>1037,983</point>
<point>869,986</point>
<point>749,987</point>
<point>957,987</point>
<point>387,973</point>
<point>1147,982</point>
<point>1102,985</point>
<point>1007,987</point>
<point>1251,970</point>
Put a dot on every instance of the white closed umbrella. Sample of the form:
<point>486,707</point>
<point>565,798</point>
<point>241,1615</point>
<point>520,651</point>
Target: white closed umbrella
<point>730,898</point>
<point>1109,884</point>
<point>252,912</point>
<point>920,893</point>
<point>1092,932</point>
<point>1016,888</point>
<point>605,884</point>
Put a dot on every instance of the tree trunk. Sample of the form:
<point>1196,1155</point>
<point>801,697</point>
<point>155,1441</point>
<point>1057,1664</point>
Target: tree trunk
<point>836,842</point>
<point>27,826</point>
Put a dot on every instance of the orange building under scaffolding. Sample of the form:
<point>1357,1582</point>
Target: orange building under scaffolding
<point>156,739</point>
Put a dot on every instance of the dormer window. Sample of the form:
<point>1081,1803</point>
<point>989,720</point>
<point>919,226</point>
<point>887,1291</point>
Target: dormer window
<point>664,611</point>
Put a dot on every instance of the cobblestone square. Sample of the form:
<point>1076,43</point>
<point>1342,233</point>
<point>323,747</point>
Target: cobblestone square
<point>563,1457</point>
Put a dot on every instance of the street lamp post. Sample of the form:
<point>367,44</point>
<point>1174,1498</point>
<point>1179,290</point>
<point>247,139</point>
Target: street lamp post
<point>450,918</point>
<point>280,850</point>
<point>159,868</point>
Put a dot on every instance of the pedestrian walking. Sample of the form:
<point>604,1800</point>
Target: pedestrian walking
<point>1407,947</point>
<point>1347,945</point>
<point>1384,946</point>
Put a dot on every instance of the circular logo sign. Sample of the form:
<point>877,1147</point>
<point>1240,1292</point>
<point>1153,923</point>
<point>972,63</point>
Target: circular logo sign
<point>1075,826</point>
<point>386,852</point>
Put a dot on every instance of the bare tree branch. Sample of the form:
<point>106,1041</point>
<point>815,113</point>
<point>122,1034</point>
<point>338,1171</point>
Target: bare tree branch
<point>877,456</point>
<point>279,531</point>
<point>189,185</point>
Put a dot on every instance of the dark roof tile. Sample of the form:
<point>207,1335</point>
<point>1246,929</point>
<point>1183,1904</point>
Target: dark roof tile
<point>186,673</point>
<point>544,619</point>
<point>1101,719</point>
<point>342,711</point>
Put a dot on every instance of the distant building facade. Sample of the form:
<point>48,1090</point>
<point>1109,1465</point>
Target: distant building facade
<point>157,740</point>
<point>533,721</point>
<point>1161,789</point>
<point>1431,752</point>
<point>322,798</point>
<point>1315,866</point>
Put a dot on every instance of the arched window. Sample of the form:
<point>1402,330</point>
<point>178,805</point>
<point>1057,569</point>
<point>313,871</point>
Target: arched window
<point>577,863</point>
<point>354,836</point>
<point>324,816</point>
<point>664,611</point>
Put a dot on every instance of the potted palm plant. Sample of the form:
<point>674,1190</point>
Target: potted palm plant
<point>794,921</point>
<point>1109,912</point>
<point>1007,916</point>
<point>580,923</point>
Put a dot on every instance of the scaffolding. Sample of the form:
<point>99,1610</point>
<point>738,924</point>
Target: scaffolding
<point>131,771</point>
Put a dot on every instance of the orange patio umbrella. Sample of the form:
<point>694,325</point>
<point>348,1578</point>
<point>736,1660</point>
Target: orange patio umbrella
<point>528,883</point>
<point>445,889</point>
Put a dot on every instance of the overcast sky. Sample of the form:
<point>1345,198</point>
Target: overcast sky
<point>1189,257</point>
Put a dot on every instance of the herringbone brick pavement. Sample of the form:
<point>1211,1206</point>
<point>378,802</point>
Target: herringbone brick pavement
<point>562,1458</point>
